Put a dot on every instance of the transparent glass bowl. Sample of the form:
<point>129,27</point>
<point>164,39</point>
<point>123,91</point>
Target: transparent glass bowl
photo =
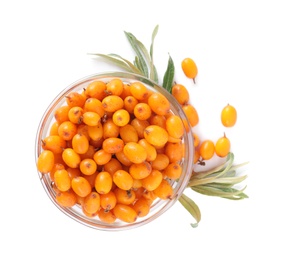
<point>159,206</point>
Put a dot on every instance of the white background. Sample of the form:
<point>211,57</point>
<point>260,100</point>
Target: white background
<point>237,47</point>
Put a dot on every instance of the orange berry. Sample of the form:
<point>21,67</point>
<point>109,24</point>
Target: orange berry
<point>125,213</point>
<point>180,93</point>
<point>112,103</point>
<point>174,151</point>
<point>128,134</point>
<point>66,198</point>
<point>189,68</point>
<point>222,146</point>
<point>94,105</point>
<point>121,117</point>
<point>207,149</point>
<point>129,103</point>
<point>139,90</point>
<point>150,149</point>
<point>114,87</point>
<point>108,200</point>
<point>125,197</point>
<point>229,116</point>
<point>67,130</point>
<point>161,162</point>
<point>54,143</point>
<point>103,182</point>
<point>106,216</point>
<point>173,171</point>
<point>61,114</point>
<point>45,161</point>
<point>192,114</point>
<point>96,89</point>
<point>81,186</point>
<point>75,115</point>
<point>142,111</point>
<point>135,152</point>
<point>174,126</point>
<point>88,166</point>
<point>71,158</point>
<point>91,203</point>
<point>75,99</point>
<point>123,179</point>
<point>62,180</point>
<point>139,126</point>
<point>91,118</point>
<point>156,135</point>
<point>142,207</point>
<point>153,180</point>
<point>159,103</point>
<point>80,143</point>
<point>164,190</point>
<point>140,170</point>
<point>113,145</point>
<point>101,157</point>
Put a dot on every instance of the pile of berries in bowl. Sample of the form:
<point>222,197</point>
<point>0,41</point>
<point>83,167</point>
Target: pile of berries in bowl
<point>114,151</point>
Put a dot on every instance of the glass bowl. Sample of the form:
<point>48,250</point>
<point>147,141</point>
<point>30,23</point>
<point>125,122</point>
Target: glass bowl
<point>159,206</point>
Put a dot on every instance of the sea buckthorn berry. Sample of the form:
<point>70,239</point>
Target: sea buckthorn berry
<point>207,149</point>
<point>128,134</point>
<point>192,114</point>
<point>156,135</point>
<point>91,118</point>
<point>142,207</point>
<point>161,162</point>
<point>103,182</point>
<point>122,158</point>
<point>80,143</point>
<point>123,179</point>
<point>71,158</point>
<point>110,129</point>
<point>158,120</point>
<point>101,157</point>
<point>75,99</point>
<point>159,103</point>
<point>67,130</point>
<point>81,186</point>
<point>114,87</point>
<point>129,103</point>
<point>125,213</point>
<point>189,68</point>
<point>96,132</point>
<point>174,151</point>
<point>228,116</point>
<point>106,216</point>
<point>121,117</point>
<point>180,93</point>
<point>135,152</point>
<point>164,190</point>
<point>112,103</point>
<point>91,202</point>
<point>62,180</point>
<point>222,146</point>
<point>153,180</point>
<point>57,166</point>
<point>136,184</point>
<point>113,145</point>
<point>174,126</point>
<point>125,197</point>
<point>54,143</point>
<point>45,162</point>
<point>88,166</point>
<point>139,90</point>
<point>150,149</point>
<point>96,89</point>
<point>91,179</point>
<point>112,166</point>
<point>173,171</point>
<point>139,126</point>
<point>54,128</point>
<point>61,114</point>
<point>140,170</point>
<point>142,111</point>
<point>75,115</point>
<point>108,200</point>
<point>149,195</point>
<point>94,105</point>
<point>126,90</point>
<point>66,198</point>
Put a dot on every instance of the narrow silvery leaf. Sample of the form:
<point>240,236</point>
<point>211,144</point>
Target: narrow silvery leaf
<point>169,75</point>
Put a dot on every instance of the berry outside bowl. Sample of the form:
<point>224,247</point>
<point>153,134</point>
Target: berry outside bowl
<point>159,206</point>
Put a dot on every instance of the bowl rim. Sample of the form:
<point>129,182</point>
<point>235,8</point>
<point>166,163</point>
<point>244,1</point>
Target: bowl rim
<point>162,205</point>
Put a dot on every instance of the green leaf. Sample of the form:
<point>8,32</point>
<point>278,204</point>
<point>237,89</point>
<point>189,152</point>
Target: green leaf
<point>192,208</point>
<point>153,70</point>
<point>134,68</point>
<point>142,65</point>
<point>169,75</point>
